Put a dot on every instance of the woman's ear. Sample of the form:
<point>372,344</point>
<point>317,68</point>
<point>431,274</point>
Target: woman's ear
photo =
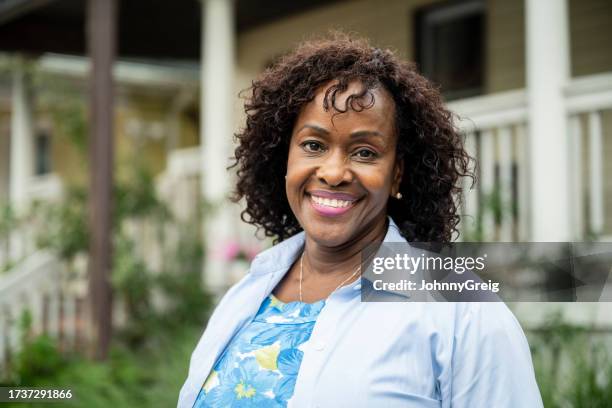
<point>398,173</point>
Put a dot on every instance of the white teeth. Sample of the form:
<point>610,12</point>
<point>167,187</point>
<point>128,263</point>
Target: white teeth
<point>331,203</point>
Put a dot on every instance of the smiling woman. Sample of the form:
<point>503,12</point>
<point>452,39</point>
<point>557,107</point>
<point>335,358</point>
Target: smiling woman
<point>349,157</point>
<point>345,145</point>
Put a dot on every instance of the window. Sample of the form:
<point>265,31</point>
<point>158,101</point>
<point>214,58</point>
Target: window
<point>43,153</point>
<point>450,46</point>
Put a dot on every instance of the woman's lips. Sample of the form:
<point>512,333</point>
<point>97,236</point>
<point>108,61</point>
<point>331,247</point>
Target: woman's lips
<point>330,206</point>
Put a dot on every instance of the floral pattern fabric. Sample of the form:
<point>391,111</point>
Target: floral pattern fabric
<point>259,366</point>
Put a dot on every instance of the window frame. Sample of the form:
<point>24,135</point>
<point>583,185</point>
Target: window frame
<point>439,13</point>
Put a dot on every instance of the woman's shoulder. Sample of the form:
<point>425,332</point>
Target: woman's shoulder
<point>475,322</point>
<point>487,319</point>
<point>461,323</point>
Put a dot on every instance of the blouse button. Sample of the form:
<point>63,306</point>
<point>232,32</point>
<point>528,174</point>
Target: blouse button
<point>319,345</point>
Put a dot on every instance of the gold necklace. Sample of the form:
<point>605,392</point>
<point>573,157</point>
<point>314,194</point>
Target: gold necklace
<point>338,287</point>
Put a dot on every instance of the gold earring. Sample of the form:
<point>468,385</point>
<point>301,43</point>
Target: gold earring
<point>398,195</point>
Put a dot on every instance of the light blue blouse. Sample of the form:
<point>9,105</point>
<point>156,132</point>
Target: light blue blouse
<point>260,365</point>
<point>387,354</point>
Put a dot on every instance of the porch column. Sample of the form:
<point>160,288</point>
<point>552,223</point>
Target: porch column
<point>22,150</point>
<point>217,93</point>
<point>548,67</point>
<point>101,23</point>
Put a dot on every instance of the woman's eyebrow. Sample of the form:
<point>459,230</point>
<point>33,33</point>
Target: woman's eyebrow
<point>356,134</point>
<point>316,128</point>
<point>365,133</point>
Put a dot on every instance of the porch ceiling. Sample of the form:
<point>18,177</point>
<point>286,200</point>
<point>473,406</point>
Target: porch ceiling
<point>158,29</point>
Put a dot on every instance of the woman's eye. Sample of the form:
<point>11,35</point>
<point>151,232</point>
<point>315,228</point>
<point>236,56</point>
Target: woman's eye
<point>313,147</point>
<point>365,154</point>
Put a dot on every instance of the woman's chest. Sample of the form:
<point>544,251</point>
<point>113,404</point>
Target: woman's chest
<point>372,358</point>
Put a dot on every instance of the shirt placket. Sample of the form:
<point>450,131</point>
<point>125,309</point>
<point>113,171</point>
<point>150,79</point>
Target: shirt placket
<point>317,349</point>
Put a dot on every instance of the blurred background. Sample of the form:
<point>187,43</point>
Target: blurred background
<point>116,123</point>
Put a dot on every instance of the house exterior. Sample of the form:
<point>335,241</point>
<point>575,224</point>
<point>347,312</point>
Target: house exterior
<point>530,79</point>
<point>538,115</point>
<point>155,109</point>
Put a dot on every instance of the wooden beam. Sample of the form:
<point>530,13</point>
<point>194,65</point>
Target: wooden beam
<point>101,43</point>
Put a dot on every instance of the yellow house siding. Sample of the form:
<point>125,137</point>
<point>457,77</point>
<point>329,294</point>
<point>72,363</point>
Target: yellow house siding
<point>591,36</point>
<point>67,161</point>
<point>390,24</point>
<point>385,23</point>
<point>130,149</point>
<point>505,38</point>
<point>189,131</point>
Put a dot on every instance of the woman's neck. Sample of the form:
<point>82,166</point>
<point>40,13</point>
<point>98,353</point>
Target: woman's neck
<point>322,260</point>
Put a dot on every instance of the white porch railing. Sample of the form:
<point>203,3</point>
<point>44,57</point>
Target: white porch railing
<point>495,129</point>
<point>35,284</point>
<point>47,187</point>
<point>495,134</point>
<point>587,100</point>
<point>20,242</point>
<point>179,184</point>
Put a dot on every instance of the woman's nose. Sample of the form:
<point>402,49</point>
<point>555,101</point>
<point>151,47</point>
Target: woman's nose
<point>334,170</point>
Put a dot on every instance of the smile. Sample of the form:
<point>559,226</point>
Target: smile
<point>334,203</point>
<point>331,206</point>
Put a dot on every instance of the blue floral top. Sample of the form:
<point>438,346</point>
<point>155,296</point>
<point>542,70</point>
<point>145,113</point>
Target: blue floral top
<point>260,364</point>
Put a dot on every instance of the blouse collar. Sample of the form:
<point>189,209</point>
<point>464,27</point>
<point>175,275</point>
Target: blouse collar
<point>284,254</point>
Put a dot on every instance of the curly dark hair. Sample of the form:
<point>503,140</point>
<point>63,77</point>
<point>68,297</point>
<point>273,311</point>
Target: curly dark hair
<point>429,144</point>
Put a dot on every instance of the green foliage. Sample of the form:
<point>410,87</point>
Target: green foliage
<point>131,278</point>
<point>591,385</point>
<point>136,197</point>
<point>8,220</point>
<point>38,356</point>
<point>70,118</point>
<point>133,283</point>
<point>8,265</point>
<point>149,356</point>
<point>473,230</point>
<point>572,369</point>
<point>25,324</point>
<point>65,102</point>
<point>66,224</point>
<point>182,281</point>
<point>491,203</point>
<point>131,378</point>
<point>65,230</point>
<point>556,333</point>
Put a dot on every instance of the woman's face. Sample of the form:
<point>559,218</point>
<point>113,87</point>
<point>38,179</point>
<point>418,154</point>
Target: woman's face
<point>340,174</point>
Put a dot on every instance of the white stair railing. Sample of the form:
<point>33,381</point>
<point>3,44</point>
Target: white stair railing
<point>35,285</point>
<point>20,241</point>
